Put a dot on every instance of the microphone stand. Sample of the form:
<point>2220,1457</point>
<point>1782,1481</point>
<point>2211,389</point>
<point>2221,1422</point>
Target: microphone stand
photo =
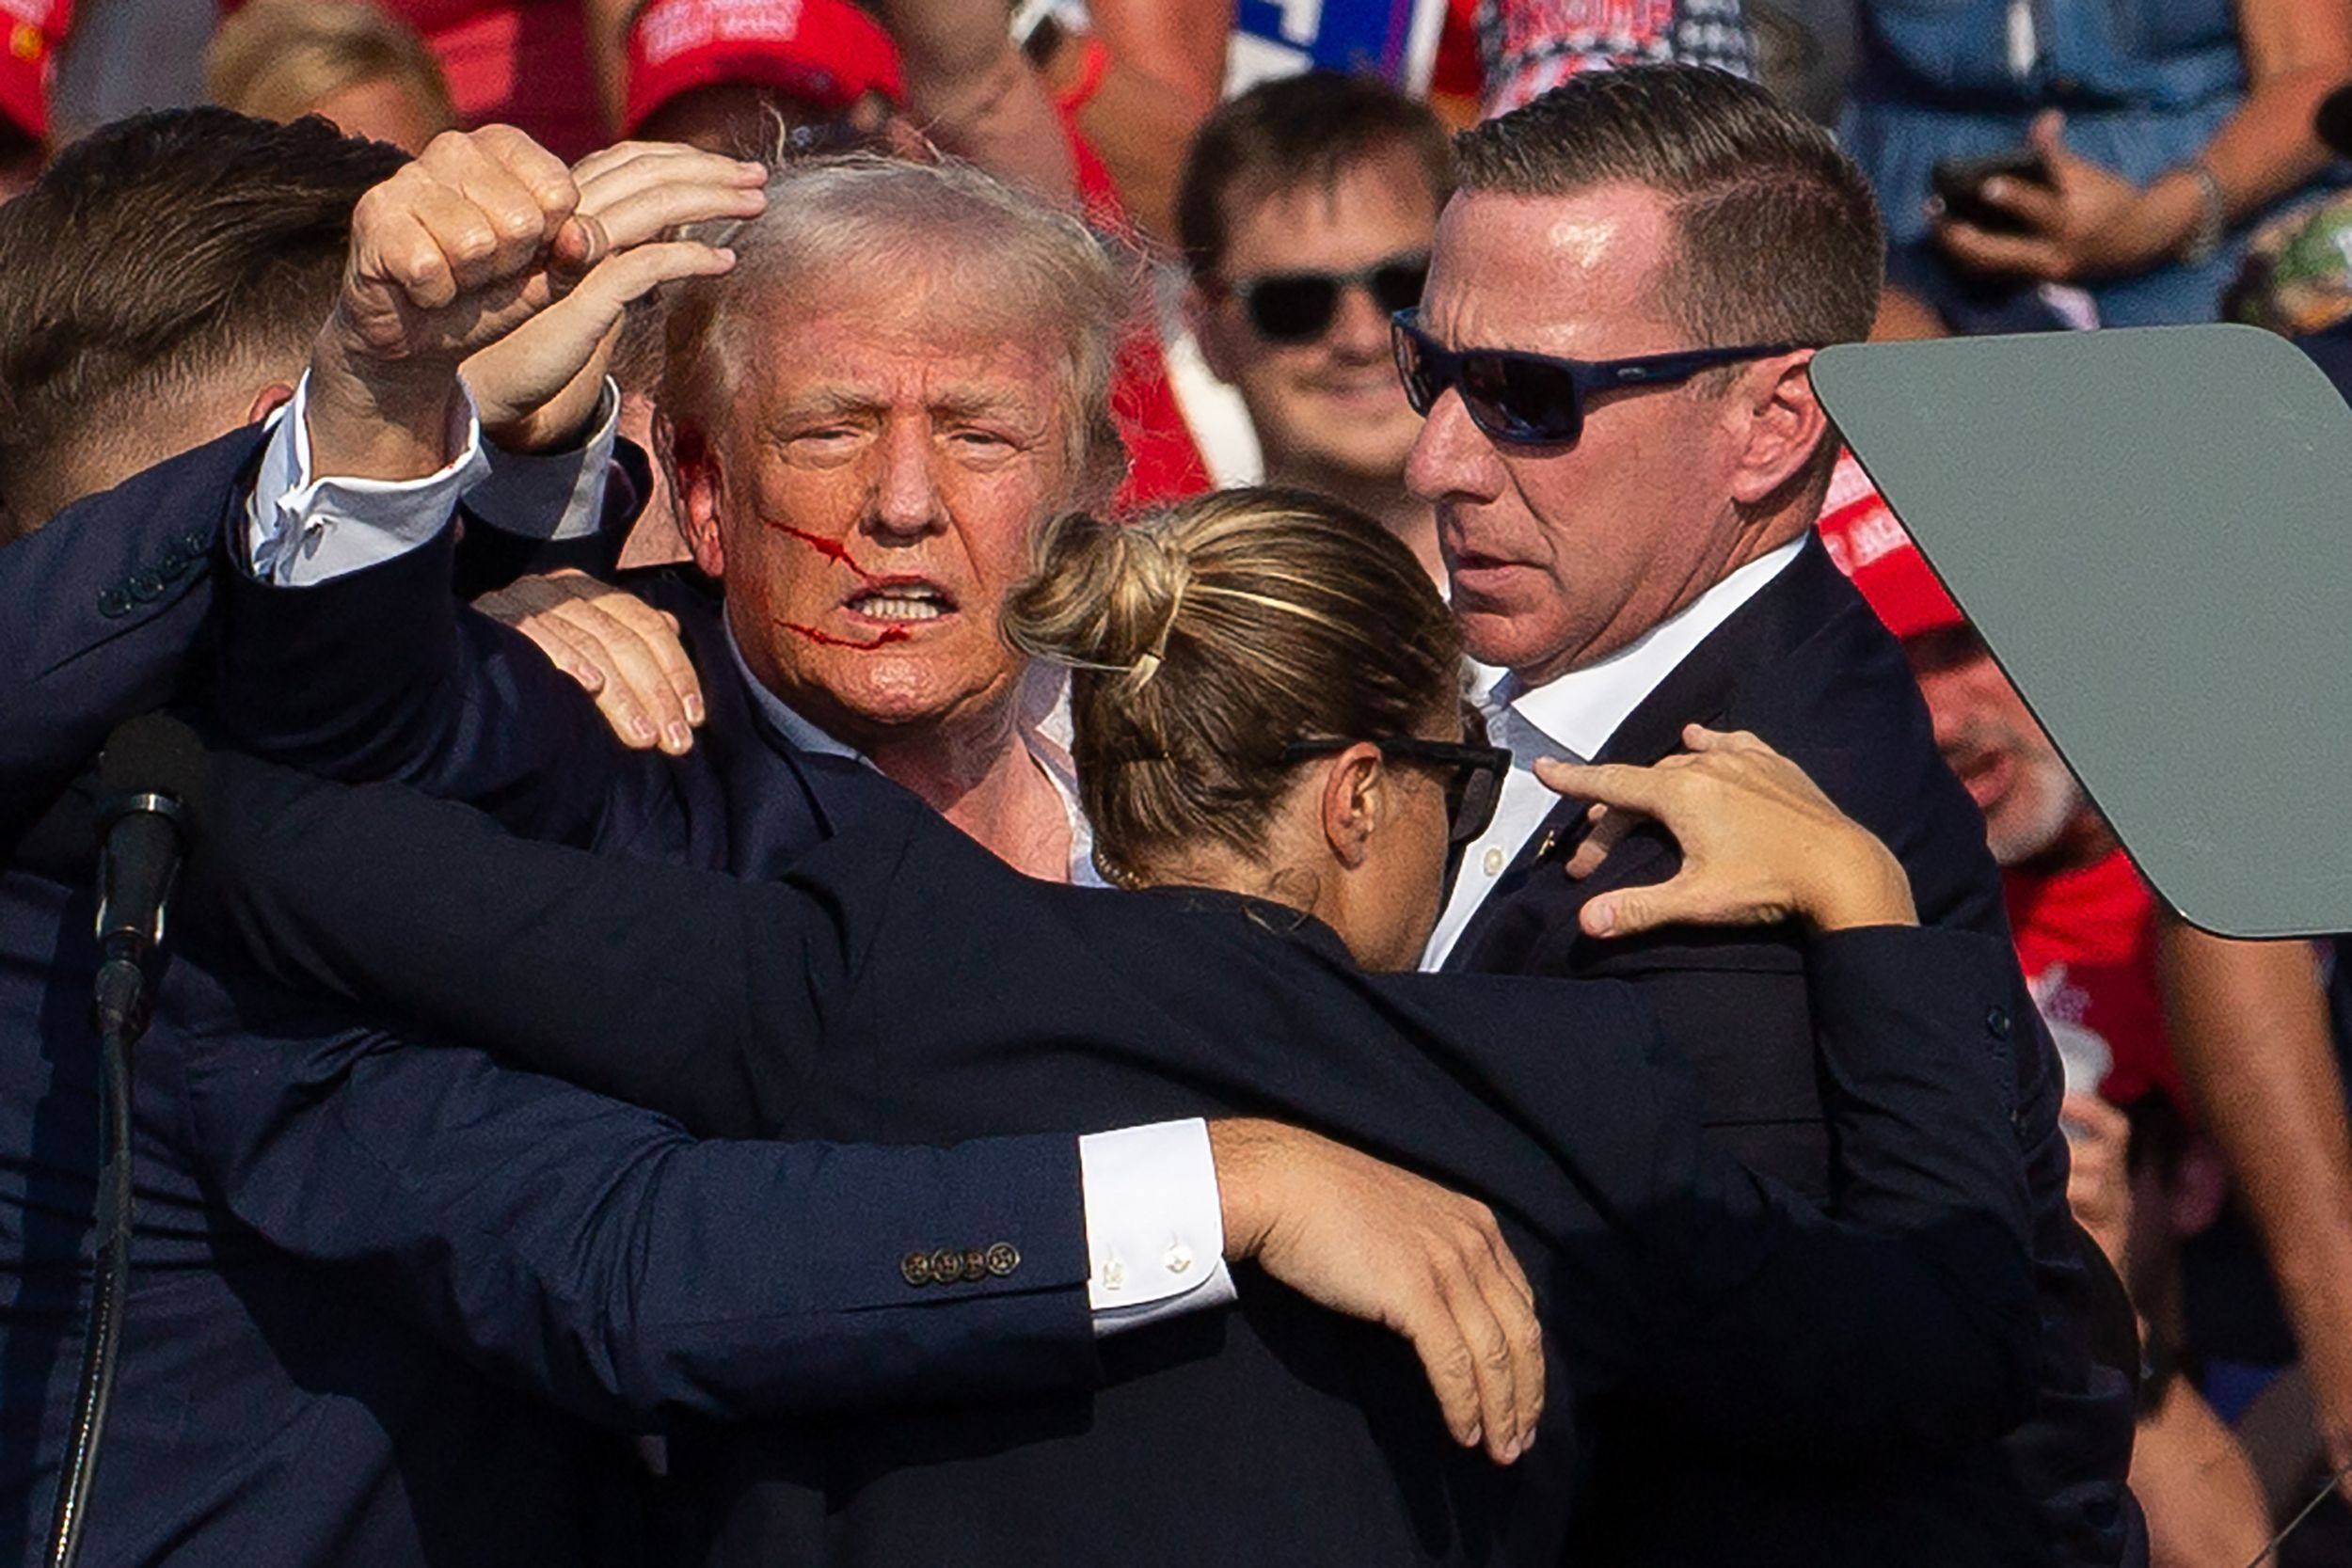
<point>121,1019</point>
<point>122,994</point>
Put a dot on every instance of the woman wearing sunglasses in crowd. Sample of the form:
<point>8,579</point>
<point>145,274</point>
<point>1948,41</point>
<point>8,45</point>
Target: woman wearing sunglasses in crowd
<point>1270,736</point>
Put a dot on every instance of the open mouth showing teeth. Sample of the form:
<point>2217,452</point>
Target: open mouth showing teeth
<point>906,602</point>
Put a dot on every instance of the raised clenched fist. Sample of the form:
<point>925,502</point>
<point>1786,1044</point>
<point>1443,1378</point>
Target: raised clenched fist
<point>488,252</point>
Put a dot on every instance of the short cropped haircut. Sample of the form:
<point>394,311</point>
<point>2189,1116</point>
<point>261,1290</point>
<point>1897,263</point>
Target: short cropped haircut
<point>1781,239</point>
<point>1293,132</point>
<point>162,250</point>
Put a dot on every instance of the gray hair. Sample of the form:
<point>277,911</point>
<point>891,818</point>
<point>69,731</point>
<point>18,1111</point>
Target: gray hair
<point>867,214</point>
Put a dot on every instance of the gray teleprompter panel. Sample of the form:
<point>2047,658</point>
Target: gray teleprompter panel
<point>2153,530</point>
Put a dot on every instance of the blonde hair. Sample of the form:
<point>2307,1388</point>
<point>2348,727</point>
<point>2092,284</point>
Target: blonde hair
<point>867,215</point>
<point>280,60</point>
<point>1205,638</point>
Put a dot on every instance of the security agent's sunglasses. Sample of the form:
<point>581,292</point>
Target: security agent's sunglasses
<point>1300,307</point>
<point>1534,400</point>
<point>1473,779</point>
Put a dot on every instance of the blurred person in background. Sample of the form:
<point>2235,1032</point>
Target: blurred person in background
<point>2085,926</point>
<point>2158,132</point>
<point>1306,212</point>
<point>541,65</point>
<point>346,59</point>
<point>30,31</point>
<point>746,80</point>
<point>1137,77</point>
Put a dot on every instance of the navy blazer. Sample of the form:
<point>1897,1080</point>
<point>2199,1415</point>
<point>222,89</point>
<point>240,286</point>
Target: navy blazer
<point>1806,665</point>
<point>901,982</point>
<point>288,1393</point>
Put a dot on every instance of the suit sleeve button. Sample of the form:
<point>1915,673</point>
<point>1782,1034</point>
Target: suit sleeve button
<point>916,1268</point>
<point>975,1263</point>
<point>948,1265</point>
<point>1003,1258</point>
<point>114,602</point>
<point>1996,1024</point>
<point>147,586</point>
<point>195,544</point>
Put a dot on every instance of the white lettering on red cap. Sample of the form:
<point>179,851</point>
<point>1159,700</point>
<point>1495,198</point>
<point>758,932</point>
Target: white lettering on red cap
<point>669,28</point>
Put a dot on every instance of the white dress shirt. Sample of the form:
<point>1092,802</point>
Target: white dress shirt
<point>1154,1220</point>
<point>1568,720</point>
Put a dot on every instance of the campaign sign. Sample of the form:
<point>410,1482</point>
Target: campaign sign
<point>1395,38</point>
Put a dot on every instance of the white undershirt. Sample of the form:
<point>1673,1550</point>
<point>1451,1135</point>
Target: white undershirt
<point>1568,720</point>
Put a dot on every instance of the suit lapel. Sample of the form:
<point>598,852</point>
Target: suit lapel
<point>1704,688</point>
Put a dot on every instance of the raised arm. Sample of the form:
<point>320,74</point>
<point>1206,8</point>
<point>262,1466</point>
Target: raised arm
<point>342,647</point>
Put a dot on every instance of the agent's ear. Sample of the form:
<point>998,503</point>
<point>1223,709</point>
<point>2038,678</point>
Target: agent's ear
<point>696,480</point>
<point>269,401</point>
<point>1784,424</point>
<point>1353,797</point>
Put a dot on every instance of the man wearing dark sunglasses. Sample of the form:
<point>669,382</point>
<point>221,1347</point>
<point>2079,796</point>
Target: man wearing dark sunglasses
<point>1626,460</point>
<point>1306,212</point>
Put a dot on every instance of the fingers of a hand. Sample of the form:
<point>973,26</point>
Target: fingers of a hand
<point>1515,1308</point>
<point>656,631</point>
<point>1632,911</point>
<point>1468,1299</point>
<point>543,176</point>
<point>2037,205</point>
<point>627,163</point>
<point>1610,826</point>
<point>563,648</point>
<point>631,666</point>
<point>639,200</point>
<point>394,245</point>
<point>1445,1357</point>
<point>622,278</point>
<point>1638,789</point>
<point>2001,253</point>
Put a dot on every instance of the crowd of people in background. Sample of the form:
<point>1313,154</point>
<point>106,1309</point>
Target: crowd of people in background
<point>1158,280</point>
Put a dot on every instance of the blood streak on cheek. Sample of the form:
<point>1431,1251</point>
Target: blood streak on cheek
<point>827,639</point>
<point>831,549</point>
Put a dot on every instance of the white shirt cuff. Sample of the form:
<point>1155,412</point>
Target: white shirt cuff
<point>302,530</point>
<point>1155,1226</point>
<point>551,495</point>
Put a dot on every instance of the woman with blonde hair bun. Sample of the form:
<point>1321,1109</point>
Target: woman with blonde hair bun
<point>1271,741</point>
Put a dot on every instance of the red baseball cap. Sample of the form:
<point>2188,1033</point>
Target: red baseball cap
<point>1872,548</point>
<point>30,31</point>
<point>825,52</point>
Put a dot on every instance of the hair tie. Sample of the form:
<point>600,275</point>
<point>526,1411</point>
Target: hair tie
<point>1149,665</point>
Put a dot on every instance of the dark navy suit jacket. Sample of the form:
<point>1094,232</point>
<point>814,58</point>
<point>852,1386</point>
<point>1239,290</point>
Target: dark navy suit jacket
<point>1806,665</point>
<point>287,1391</point>
<point>902,982</point>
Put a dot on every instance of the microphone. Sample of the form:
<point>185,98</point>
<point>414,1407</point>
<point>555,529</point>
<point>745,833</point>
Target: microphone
<point>152,768</point>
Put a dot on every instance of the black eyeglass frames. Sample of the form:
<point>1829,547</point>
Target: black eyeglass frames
<point>1535,399</point>
<point>1473,783</point>
<point>1300,307</point>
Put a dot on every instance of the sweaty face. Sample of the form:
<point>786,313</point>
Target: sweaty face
<point>1561,555</point>
<point>1331,403</point>
<point>892,449</point>
<point>1983,726</point>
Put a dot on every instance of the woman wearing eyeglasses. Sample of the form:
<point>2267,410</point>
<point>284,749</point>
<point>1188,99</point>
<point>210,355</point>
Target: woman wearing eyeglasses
<point>1270,744</point>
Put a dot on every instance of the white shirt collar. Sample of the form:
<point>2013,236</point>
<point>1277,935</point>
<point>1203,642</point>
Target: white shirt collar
<point>1581,709</point>
<point>1052,759</point>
